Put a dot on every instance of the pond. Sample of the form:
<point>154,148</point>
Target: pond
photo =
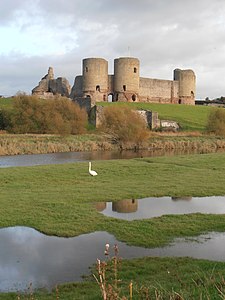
<point>133,209</point>
<point>28,256</point>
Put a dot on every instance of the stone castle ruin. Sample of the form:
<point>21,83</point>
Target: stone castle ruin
<point>125,85</point>
<point>48,86</point>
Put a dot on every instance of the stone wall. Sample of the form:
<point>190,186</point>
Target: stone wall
<point>159,91</point>
<point>150,118</point>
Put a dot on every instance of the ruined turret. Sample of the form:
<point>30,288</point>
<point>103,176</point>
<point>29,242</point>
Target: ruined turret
<point>48,86</point>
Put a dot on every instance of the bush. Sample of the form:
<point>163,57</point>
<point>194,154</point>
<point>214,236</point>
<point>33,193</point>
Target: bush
<point>216,121</point>
<point>125,126</point>
<point>55,116</point>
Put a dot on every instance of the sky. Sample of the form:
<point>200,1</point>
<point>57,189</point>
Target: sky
<point>162,34</point>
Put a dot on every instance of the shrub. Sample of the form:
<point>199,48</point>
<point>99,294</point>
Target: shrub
<point>55,116</point>
<point>125,126</point>
<point>216,121</point>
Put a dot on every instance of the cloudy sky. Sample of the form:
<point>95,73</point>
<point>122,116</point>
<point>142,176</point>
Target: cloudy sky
<point>163,34</point>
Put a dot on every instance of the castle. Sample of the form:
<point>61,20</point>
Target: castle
<point>124,85</point>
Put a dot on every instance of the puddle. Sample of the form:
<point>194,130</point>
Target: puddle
<point>133,209</point>
<point>27,255</point>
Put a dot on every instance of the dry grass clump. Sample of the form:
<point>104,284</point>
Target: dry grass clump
<point>124,126</point>
<point>216,122</point>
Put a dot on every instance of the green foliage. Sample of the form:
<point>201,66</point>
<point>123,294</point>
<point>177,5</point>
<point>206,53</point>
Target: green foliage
<point>30,114</point>
<point>124,125</point>
<point>216,121</point>
<point>4,119</point>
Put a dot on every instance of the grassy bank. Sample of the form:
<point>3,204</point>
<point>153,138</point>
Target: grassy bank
<point>57,200</point>
<point>13,144</point>
<point>191,118</point>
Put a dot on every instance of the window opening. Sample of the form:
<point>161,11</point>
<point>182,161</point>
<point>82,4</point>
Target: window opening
<point>133,97</point>
<point>135,70</point>
<point>124,88</point>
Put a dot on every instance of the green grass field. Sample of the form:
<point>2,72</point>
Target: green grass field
<point>5,102</point>
<point>58,200</point>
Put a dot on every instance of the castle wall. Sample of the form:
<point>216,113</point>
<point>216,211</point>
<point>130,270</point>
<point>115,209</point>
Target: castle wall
<point>159,91</point>
<point>77,89</point>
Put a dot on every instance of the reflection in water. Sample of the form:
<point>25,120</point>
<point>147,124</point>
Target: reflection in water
<point>125,206</point>
<point>100,206</point>
<point>155,207</point>
<point>181,198</point>
<point>27,255</point>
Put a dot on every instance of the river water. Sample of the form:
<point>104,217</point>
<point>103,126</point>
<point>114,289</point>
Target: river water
<point>71,157</point>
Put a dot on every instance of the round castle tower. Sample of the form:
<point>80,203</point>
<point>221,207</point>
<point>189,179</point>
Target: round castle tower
<point>126,79</point>
<point>95,79</point>
<point>187,86</point>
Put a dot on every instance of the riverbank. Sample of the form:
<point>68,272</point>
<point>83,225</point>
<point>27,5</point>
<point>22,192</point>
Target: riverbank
<point>15,144</point>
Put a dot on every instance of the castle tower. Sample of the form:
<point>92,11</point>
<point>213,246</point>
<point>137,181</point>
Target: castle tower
<point>95,79</point>
<point>126,79</point>
<point>187,86</point>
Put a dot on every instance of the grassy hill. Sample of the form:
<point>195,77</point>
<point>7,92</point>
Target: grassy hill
<point>190,118</point>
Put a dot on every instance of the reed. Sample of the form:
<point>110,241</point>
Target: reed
<point>36,144</point>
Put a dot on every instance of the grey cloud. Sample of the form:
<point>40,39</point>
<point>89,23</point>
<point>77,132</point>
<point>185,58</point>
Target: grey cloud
<point>9,10</point>
<point>162,34</point>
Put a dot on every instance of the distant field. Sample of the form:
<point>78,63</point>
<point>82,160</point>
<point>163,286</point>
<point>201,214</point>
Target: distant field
<point>190,118</point>
<point>5,102</point>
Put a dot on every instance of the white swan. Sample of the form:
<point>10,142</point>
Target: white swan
<point>92,172</point>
